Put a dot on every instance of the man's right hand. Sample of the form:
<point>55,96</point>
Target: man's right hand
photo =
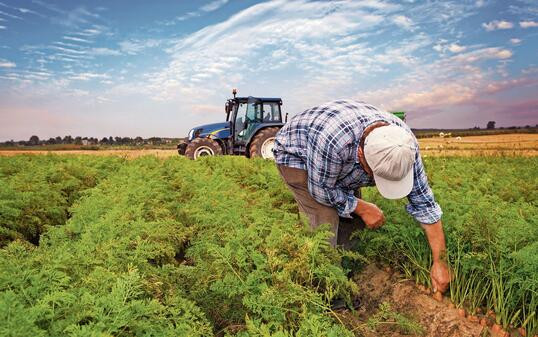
<point>371,214</point>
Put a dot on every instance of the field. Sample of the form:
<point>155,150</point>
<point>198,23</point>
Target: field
<point>517,144</point>
<point>110,246</point>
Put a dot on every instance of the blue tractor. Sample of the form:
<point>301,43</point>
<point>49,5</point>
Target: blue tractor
<point>250,129</point>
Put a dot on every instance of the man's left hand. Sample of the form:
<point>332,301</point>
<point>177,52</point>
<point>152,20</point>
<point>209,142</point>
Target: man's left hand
<point>440,275</point>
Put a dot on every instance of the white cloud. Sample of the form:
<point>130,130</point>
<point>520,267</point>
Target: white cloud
<point>89,76</point>
<point>528,24</point>
<point>515,41</point>
<point>3,27</point>
<point>76,39</point>
<point>480,3</point>
<point>494,25</point>
<point>403,21</point>
<point>456,48</point>
<point>443,47</point>
<point>133,47</point>
<point>214,5</point>
<point>104,52</point>
<point>7,64</point>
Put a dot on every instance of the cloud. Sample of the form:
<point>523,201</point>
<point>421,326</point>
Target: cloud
<point>454,48</point>
<point>12,16</point>
<point>515,41</point>
<point>528,24</point>
<point>494,25</point>
<point>7,64</point>
<point>104,52</point>
<point>404,22</point>
<point>134,46</point>
<point>214,5</point>
<point>89,76</point>
<point>76,39</point>
<point>3,27</point>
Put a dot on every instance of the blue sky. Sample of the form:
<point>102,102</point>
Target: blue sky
<point>158,68</point>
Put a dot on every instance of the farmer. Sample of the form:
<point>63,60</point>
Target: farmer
<point>326,153</point>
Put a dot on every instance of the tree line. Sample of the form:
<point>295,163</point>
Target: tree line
<point>69,140</point>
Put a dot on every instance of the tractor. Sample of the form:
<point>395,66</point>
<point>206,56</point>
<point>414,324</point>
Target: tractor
<point>250,129</point>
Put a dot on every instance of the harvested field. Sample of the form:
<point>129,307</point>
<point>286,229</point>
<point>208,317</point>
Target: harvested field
<point>503,145</point>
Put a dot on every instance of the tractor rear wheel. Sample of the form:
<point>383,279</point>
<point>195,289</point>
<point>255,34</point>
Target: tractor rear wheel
<point>200,147</point>
<point>263,143</point>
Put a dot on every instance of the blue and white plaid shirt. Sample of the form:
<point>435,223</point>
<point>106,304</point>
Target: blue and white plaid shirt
<point>324,141</point>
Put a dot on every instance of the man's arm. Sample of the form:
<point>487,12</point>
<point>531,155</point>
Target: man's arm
<point>439,273</point>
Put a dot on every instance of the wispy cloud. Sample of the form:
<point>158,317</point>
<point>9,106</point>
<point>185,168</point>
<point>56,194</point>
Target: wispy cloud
<point>76,39</point>
<point>12,16</point>
<point>404,22</point>
<point>209,7</point>
<point>496,24</point>
<point>89,76</point>
<point>3,27</point>
<point>7,64</point>
<point>515,41</point>
<point>134,46</point>
<point>528,24</point>
<point>213,5</point>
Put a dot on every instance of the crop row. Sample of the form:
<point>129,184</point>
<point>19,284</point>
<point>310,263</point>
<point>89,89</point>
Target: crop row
<point>172,248</point>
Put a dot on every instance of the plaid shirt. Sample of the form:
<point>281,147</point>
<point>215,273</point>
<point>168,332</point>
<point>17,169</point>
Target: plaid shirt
<point>324,141</point>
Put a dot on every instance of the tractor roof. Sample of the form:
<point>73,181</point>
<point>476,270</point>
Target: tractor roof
<point>263,99</point>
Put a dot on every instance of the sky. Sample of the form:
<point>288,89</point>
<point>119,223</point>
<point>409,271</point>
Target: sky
<point>158,68</point>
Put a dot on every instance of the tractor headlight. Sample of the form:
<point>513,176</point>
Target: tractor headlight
<point>191,134</point>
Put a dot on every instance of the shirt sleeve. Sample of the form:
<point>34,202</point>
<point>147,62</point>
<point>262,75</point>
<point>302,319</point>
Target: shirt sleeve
<point>422,205</point>
<point>323,169</point>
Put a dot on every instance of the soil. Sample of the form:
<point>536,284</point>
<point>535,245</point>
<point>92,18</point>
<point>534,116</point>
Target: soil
<point>436,318</point>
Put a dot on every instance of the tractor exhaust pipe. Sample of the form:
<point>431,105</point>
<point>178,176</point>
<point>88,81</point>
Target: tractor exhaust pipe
<point>234,92</point>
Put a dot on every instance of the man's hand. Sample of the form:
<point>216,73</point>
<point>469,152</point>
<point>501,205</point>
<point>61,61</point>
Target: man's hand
<point>440,276</point>
<point>371,214</point>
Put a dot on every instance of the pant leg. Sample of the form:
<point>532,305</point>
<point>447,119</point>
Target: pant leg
<point>297,181</point>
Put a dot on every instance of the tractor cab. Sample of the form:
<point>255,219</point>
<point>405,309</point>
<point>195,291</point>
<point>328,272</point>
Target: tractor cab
<point>249,115</point>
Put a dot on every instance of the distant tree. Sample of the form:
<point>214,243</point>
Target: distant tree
<point>78,140</point>
<point>118,140</point>
<point>476,128</point>
<point>104,141</point>
<point>34,140</point>
<point>139,140</point>
<point>58,140</point>
<point>491,125</point>
<point>527,126</point>
<point>110,140</point>
<point>68,140</point>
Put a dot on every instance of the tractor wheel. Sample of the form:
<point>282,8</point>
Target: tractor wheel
<point>200,147</point>
<point>263,143</point>
<point>181,147</point>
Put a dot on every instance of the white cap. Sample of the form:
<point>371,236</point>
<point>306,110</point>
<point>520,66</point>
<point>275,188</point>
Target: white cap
<point>390,152</point>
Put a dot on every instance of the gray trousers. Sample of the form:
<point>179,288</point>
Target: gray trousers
<point>297,181</point>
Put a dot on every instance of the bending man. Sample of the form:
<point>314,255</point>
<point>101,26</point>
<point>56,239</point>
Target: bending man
<point>326,153</point>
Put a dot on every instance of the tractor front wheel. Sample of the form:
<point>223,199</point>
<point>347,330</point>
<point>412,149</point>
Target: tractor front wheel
<point>181,147</point>
<point>263,143</point>
<point>200,147</point>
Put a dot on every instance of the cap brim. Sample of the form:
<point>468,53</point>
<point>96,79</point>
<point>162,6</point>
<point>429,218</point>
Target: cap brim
<point>392,189</point>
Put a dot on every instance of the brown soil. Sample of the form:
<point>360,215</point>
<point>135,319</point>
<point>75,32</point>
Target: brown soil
<point>436,318</point>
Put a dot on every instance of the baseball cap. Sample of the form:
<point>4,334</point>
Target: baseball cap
<point>390,152</point>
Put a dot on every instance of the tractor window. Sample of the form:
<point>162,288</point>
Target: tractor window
<point>240,118</point>
<point>254,112</point>
<point>271,112</point>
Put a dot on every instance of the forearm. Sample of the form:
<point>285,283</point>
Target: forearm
<point>436,239</point>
